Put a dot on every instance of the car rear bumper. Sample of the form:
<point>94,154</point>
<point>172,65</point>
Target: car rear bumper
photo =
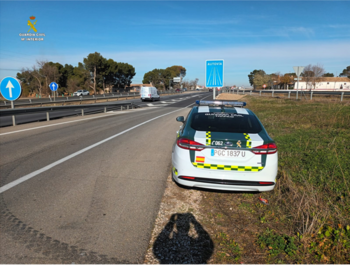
<point>222,179</point>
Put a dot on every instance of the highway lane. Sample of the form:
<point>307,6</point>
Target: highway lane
<point>34,117</point>
<point>97,206</point>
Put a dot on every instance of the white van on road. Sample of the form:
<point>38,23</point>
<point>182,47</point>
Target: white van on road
<point>149,93</point>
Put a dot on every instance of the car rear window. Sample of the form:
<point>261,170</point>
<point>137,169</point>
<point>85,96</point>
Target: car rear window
<point>225,122</point>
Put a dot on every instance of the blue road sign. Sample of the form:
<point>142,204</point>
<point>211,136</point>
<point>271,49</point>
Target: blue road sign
<point>214,73</point>
<point>10,88</point>
<point>53,86</point>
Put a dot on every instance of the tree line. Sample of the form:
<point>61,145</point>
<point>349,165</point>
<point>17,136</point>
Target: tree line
<point>163,78</point>
<point>94,73</point>
<point>312,74</point>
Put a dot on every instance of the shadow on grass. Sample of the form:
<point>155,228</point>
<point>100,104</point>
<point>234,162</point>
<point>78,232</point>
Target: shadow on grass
<point>183,240</point>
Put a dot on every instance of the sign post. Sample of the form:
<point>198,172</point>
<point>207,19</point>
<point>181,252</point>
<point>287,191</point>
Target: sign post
<point>214,74</point>
<point>11,90</point>
<point>53,86</point>
<point>298,70</point>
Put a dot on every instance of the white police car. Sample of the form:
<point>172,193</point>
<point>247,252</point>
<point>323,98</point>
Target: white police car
<point>223,146</point>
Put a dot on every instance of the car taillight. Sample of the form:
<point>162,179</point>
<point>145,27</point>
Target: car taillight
<point>186,177</point>
<point>184,143</point>
<point>264,149</point>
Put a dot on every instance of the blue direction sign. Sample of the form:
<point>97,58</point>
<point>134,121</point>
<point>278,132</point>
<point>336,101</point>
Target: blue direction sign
<point>214,73</point>
<point>10,88</point>
<point>53,86</point>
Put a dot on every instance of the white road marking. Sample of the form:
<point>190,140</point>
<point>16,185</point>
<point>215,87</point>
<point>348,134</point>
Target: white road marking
<point>39,171</point>
<point>109,113</point>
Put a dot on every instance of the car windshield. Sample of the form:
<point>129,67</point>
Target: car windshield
<point>225,122</point>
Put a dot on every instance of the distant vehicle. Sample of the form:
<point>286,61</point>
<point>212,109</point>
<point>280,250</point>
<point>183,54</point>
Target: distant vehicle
<point>210,90</point>
<point>184,89</point>
<point>223,146</point>
<point>81,93</point>
<point>178,90</point>
<point>149,93</point>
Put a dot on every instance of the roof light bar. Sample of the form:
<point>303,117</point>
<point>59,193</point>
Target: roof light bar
<point>218,103</point>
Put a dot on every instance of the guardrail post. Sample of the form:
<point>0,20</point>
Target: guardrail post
<point>289,94</point>
<point>67,98</point>
<point>273,92</point>
<point>260,92</point>
<point>342,94</point>
<point>30,101</point>
<point>82,112</point>
<point>250,92</point>
<point>311,95</point>
<point>47,116</point>
<point>121,107</point>
<point>105,109</point>
<point>127,107</point>
<point>5,103</point>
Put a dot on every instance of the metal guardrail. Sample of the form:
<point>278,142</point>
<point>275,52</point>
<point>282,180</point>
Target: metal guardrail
<point>80,99</point>
<point>301,93</point>
<point>22,111</point>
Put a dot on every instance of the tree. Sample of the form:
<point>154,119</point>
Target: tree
<point>72,84</point>
<point>251,76</point>
<point>287,78</point>
<point>346,72</point>
<point>177,71</point>
<point>125,73</point>
<point>161,78</point>
<point>49,72</point>
<point>82,75</point>
<point>312,75</point>
<point>260,79</point>
<point>27,81</point>
<point>328,75</point>
<point>94,63</point>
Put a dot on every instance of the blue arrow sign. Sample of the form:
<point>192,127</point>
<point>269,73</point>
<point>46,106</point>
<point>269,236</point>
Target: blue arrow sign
<point>53,86</point>
<point>214,73</point>
<point>10,88</point>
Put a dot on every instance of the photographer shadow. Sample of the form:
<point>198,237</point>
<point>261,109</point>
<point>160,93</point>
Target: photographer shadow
<point>178,243</point>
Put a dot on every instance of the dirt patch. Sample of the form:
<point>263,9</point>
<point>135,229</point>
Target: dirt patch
<point>200,226</point>
<point>226,96</point>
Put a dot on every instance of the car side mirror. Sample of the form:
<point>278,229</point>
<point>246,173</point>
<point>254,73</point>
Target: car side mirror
<point>180,119</point>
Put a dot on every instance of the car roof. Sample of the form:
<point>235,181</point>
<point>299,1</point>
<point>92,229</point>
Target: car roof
<point>234,110</point>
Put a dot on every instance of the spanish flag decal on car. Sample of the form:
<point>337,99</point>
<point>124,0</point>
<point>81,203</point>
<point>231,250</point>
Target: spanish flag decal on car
<point>200,159</point>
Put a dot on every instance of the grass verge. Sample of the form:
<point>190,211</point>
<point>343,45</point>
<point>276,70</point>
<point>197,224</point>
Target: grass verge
<point>307,219</point>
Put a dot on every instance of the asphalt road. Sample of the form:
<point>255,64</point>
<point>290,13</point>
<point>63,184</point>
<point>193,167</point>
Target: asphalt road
<point>41,116</point>
<point>91,185</point>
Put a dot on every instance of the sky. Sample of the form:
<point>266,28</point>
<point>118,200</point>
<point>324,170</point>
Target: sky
<point>247,35</point>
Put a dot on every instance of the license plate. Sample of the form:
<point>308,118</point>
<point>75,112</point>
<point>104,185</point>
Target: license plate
<point>227,153</point>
